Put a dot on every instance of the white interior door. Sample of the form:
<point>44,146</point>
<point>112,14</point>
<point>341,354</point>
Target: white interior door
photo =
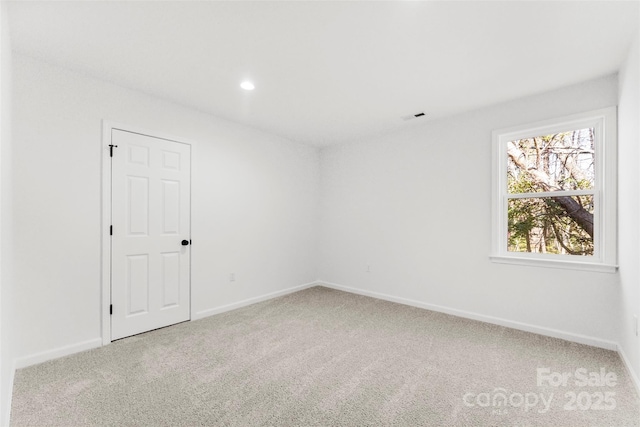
<point>150,241</point>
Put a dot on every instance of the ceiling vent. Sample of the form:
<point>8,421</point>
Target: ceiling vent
<point>413,116</point>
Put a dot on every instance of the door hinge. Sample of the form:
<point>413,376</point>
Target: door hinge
<point>111,146</point>
<point>111,230</point>
<point>111,309</point>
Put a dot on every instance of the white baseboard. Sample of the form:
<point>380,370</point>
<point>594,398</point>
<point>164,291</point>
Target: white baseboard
<point>24,362</point>
<point>45,356</point>
<point>554,333</point>
<point>632,374</point>
<point>6,417</point>
<point>56,353</point>
<point>217,310</point>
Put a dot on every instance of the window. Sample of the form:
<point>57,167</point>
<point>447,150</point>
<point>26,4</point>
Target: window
<point>554,193</point>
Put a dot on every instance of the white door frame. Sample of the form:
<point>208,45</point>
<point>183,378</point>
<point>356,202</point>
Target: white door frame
<point>105,236</point>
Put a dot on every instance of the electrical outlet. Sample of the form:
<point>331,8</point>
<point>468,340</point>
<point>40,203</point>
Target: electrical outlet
<point>368,268</point>
<point>232,277</point>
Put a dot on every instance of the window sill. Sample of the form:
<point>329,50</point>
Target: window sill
<point>551,263</point>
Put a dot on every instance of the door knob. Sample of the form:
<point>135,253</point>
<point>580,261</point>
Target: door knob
<point>185,242</point>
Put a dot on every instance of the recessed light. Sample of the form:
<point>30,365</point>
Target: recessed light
<point>247,85</point>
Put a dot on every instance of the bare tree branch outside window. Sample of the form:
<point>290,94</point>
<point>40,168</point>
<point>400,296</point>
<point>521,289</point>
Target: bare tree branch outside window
<point>558,224</point>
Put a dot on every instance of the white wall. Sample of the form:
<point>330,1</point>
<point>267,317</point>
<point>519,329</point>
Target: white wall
<point>254,204</point>
<point>7,347</point>
<point>415,206</point>
<point>629,208</point>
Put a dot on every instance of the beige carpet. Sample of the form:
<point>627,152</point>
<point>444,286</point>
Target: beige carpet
<point>321,357</point>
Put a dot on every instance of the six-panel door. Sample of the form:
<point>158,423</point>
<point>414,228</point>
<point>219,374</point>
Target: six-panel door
<point>150,266</point>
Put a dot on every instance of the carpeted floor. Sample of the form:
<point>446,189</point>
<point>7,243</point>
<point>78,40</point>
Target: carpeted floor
<point>322,357</point>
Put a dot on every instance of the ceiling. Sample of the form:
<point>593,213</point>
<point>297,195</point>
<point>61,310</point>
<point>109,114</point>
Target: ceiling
<point>329,72</point>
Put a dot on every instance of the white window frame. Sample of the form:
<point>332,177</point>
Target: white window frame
<point>604,258</point>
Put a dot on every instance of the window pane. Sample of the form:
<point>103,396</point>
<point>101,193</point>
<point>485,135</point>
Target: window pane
<point>561,161</point>
<point>556,225</point>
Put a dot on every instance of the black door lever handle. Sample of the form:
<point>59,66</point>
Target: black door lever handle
<point>185,243</point>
